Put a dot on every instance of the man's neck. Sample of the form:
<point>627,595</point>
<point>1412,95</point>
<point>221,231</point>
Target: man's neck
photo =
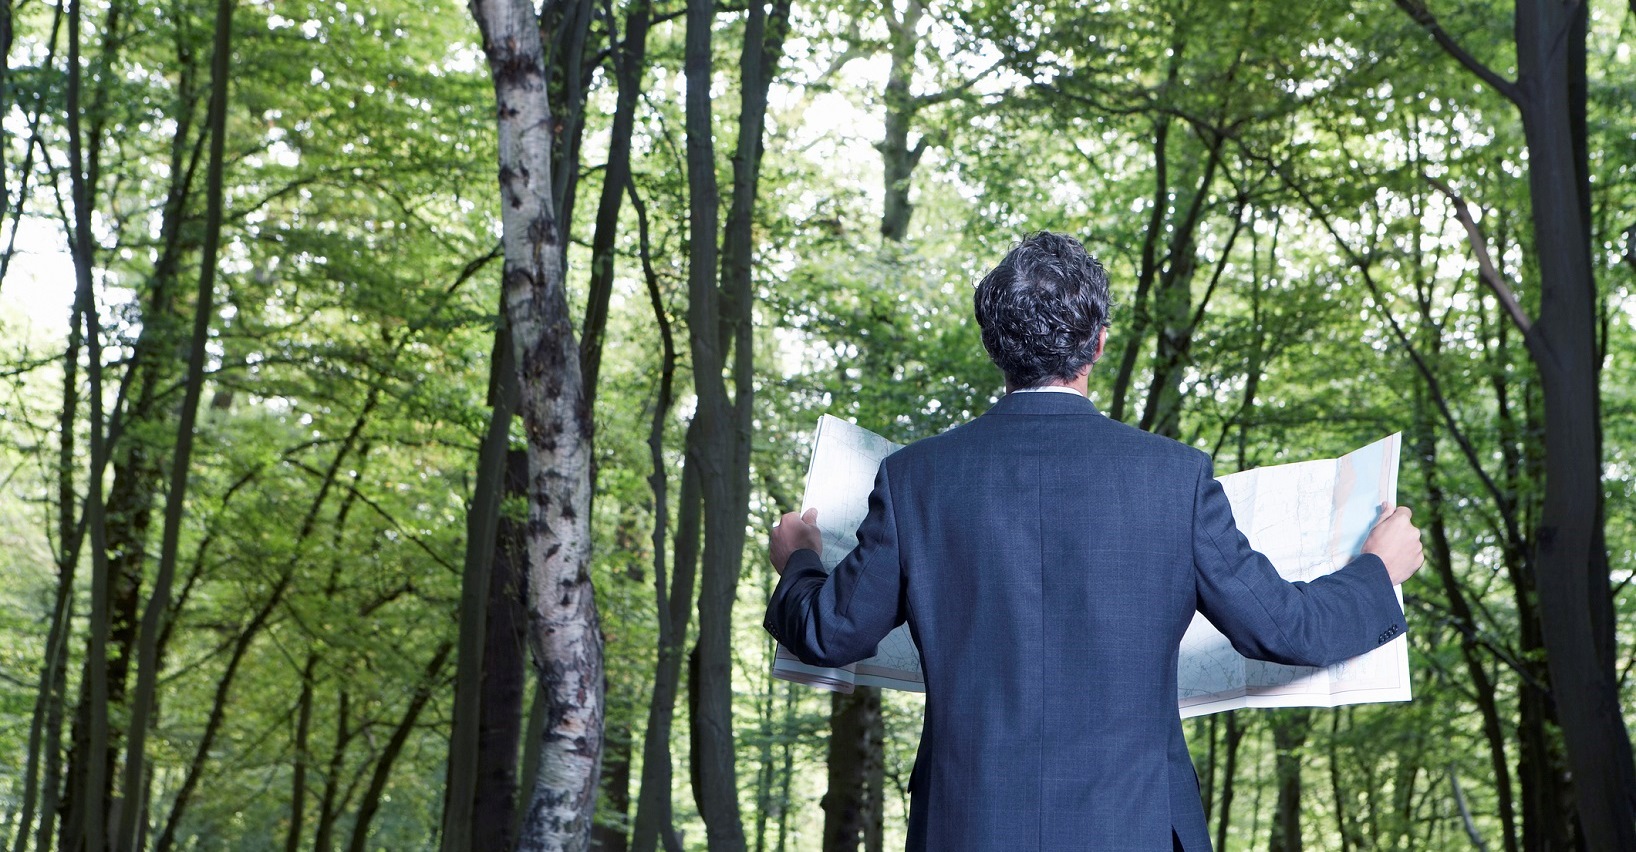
<point>1079,385</point>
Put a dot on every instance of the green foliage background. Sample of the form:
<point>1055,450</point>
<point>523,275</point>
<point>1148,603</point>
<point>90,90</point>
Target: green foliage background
<point>357,309</point>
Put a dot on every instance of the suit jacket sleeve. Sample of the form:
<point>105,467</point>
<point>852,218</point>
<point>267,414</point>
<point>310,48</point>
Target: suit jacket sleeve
<point>839,618</point>
<point>1333,618</point>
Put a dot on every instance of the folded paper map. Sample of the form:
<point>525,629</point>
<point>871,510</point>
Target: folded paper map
<point>1309,518</point>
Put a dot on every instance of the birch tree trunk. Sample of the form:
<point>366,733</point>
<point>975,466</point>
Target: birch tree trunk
<point>563,627</point>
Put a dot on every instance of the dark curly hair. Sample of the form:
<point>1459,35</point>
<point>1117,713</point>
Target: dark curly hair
<point>1042,310</point>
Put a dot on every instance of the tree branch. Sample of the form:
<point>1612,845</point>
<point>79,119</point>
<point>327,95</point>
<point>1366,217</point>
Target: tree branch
<point>1361,263</point>
<point>1485,264</point>
<point>1417,10</point>
<point>954,92</point>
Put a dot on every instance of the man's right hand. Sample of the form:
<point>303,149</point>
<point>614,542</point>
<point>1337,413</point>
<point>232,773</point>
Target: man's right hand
<point>1396,540</point>
<point>794,532</point>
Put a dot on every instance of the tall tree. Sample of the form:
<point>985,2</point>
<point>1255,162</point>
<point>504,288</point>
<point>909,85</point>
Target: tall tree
<point>132,821</point>
<point>673,589</point>
<point>720,305</point>
<point>88,821</point>
<point>1570,550</point>
<point>476,595</point>
<point>564,632</point>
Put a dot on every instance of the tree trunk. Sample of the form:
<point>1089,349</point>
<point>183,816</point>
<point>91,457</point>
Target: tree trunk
<point>565,30</point>
<point>504,677</point>
<point>134,810</point>
<point>1289,736</point>
<point>673,603</point>
<point>1229,773</point>
<point>328,808</point>
<point>85,825</point>
<point>629,60</point>
<point>1147,271</point>
<point>302,756</point>
<point>54,678</point>
<point>1483,687</point>
<point>1575,602</point>
<point>45,729</point>
<point>612,835</point>
<point>720,318</point>
<point>482,524</point>
<point>710,449</point>
<point>563,626</point>
<point>1570,553</point>
<point>394,747</point>
<point>847,814</point>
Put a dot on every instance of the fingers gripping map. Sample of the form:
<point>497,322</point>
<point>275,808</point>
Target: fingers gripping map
<point>839,479</point>
<point>1309,518</point>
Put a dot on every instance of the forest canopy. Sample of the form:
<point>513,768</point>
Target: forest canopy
<point>394,396</point>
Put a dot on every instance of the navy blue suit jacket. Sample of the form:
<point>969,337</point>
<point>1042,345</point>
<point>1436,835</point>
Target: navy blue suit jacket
<point>1048,561</point>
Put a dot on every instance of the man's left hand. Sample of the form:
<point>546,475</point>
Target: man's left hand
<point>794,532</point>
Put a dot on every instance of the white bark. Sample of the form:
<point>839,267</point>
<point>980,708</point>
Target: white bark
<point>563,627</point>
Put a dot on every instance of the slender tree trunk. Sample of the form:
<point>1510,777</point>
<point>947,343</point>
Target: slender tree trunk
<point>482,523</point>
<point>720,318</point>
<point>1289,736</point>
<point>629,60</point>
<point>613,835</point>
<point>303,755</point>
<point>533,730</point>
<point>135,807</point>
<point>788,773</point>
<point>45,726</point>
<point>565,28</point>
<point>673,603</point>
<point>1140,310</point>
<point>394,747</point>
<point>45,729</point>
<point>855,796</point>
<point>328,809</point>
<point>898,158</point>
<point>1483,686</point>
<point>86,826</point>
<point>53,697</point>
<point>710,448</point>
<point>1549,819</point>
<point>504,677</point>
<point>1234,735</point>
<point>1346,829</point>
<point>564,631</point>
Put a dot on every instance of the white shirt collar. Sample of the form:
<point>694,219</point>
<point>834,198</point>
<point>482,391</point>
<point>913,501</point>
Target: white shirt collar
<point>1049,389</point>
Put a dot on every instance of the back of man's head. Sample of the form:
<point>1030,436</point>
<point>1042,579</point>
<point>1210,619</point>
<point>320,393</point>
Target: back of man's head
<point>1042,310</point>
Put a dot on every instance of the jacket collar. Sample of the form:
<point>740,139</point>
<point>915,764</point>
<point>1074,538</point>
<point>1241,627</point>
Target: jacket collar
<point>1033,404</point>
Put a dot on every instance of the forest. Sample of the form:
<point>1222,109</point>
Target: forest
<point>395,394</point>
